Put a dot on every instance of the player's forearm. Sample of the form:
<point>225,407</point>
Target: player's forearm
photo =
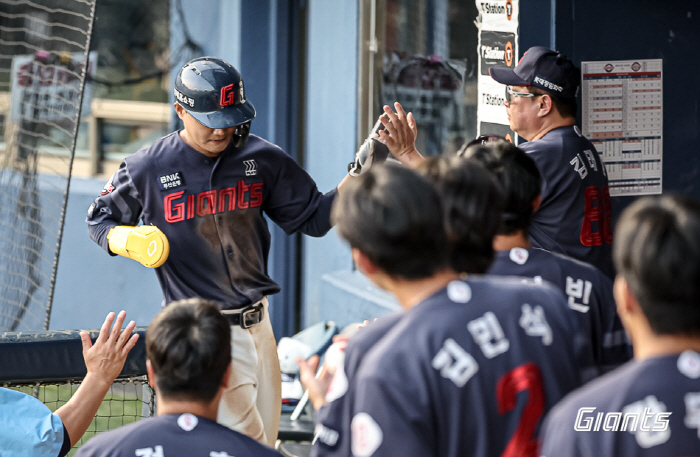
<point>98,234</point>
<point>319,223</point>
<point>78,412</point>
<point>411,158</point>
<point>342,183</point>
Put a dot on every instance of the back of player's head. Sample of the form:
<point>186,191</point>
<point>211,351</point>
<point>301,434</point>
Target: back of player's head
<point>189,346</point>
<point>393,216</point>
<point>472,201</point>
<point>519,178</point>
<point>657,252</point>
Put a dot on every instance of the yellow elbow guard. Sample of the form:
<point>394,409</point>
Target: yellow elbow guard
<point>146,244</point>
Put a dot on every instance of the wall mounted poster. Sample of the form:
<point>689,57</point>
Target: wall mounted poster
<point>622,114</point>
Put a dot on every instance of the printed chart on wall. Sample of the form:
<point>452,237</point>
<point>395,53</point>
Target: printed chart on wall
<point>498,46</point>
<point>622,110</point>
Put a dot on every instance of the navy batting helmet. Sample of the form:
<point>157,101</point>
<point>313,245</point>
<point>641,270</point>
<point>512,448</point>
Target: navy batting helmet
<point>211,91</point>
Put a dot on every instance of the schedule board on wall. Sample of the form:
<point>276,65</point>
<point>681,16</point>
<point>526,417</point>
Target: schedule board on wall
<point>622,115</point>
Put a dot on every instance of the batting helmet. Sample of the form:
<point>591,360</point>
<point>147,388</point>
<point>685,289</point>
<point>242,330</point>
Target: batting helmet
<point>211,91</point>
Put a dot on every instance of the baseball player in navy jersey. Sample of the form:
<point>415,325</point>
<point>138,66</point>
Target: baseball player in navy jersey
<point>574,215</point>
<point>202,194</point>
<point>188,354</point>
<point>651,405</point>
<point>442,379</point>
<point>589,292</point>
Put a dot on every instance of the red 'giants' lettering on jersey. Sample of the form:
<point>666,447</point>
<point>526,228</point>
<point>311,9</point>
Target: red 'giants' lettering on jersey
<point>179,207</point>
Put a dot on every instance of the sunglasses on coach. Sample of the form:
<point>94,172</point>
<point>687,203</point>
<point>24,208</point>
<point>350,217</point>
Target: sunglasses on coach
<point>513,93</point>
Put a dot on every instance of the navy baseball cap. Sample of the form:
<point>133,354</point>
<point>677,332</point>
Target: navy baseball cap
<point>543,68</point>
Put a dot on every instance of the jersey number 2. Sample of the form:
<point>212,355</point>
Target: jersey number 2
<point>596,209</point>
<point>525,377</point>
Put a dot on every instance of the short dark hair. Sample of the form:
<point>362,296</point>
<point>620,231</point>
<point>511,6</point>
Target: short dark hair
<point>393,216</point>
<point>519,178</point>
<point>189,346</point>
<point>472,202</point>
<point>566,106</point>
<point>657,252</point>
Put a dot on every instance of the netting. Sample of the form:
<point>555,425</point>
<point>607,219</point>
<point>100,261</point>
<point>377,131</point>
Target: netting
<point>43,65</point>
<point>127,401</point>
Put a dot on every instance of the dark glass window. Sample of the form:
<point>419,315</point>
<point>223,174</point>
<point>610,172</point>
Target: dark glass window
<point>430,67</point>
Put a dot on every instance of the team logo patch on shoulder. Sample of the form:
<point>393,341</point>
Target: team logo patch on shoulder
<point>519,255</point>
<point>459,292</point>
<point>171,181</point>
<point>108,188</point>
<point>367,436</point>
<point>187,422</point>
<point>689,364</point>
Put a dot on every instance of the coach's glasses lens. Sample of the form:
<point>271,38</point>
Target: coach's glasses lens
<point>512,93</point>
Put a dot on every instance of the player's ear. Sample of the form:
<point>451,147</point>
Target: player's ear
<point>179,110</point>
<point>626,303</point>
<point>545,104</point>
<point>151,374</point>
<point>536,203</point>
<point>227,377</point>
<point>363,263</point>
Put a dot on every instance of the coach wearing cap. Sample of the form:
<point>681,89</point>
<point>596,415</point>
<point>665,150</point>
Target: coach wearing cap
<point>573,217</point>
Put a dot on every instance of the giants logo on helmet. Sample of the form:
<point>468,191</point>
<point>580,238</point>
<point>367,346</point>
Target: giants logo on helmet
<point>179,207</point>
<point>228,97</point>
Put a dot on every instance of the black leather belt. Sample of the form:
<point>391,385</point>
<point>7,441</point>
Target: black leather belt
<point>245,317</point>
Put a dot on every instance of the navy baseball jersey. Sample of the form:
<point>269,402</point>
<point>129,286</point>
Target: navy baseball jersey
<point>471,370</point>
<point>647,408</point>
<point>212,212</point>
<point>588,291</point>
<point>174,435</point>
<point>575,215</point>
<point>332,437</point>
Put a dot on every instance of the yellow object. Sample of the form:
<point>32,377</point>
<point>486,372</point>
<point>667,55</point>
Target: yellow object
<point>146,244</point>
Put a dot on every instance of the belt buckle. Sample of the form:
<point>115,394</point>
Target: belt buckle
<point>250,316</point>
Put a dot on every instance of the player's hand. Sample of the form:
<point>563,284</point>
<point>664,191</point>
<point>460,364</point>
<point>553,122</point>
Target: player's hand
<point>371,152</point>
<point>316,385</point>
<point>400,134</point>
<point>146,244</point>
<point>105,358</point>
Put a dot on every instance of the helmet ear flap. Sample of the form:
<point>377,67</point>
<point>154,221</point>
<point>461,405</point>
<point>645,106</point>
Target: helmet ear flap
<point>241,135</point>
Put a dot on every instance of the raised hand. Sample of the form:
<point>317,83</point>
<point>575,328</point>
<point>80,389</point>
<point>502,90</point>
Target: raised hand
<point>400,134</point>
